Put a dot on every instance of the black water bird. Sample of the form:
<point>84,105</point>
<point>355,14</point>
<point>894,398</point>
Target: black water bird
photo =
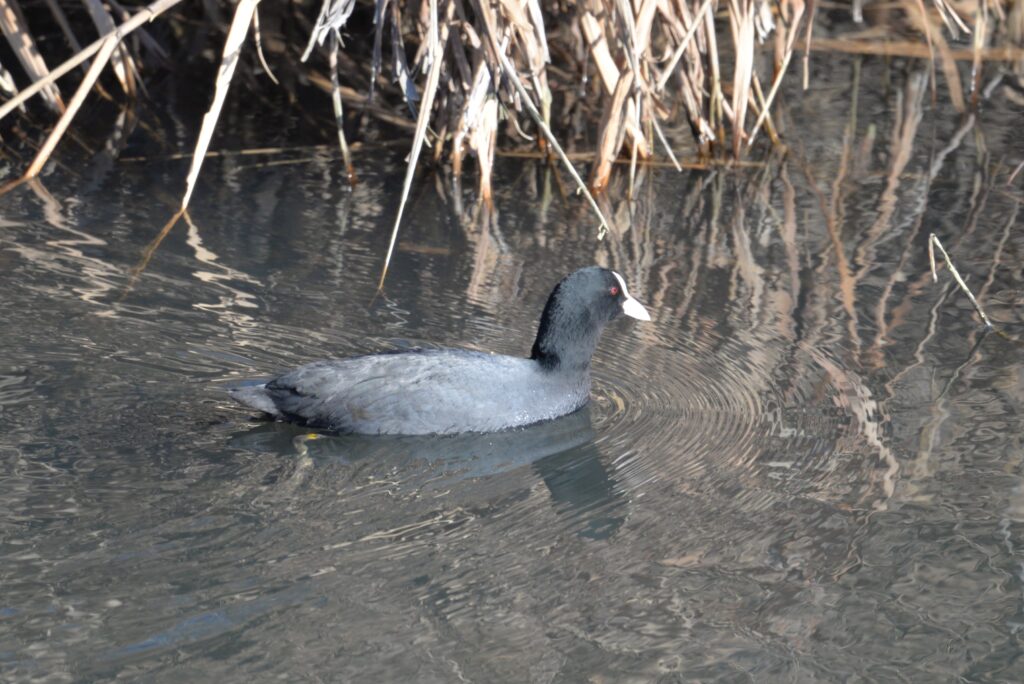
<point>447,391</point>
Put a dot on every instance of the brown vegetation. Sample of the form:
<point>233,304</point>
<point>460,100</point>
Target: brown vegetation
<point>629,67</point>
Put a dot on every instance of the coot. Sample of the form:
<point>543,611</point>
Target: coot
<point>446,391</point>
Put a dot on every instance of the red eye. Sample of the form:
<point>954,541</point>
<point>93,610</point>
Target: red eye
<point>613,291</point>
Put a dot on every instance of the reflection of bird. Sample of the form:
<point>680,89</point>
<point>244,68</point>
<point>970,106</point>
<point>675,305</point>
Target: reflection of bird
<point>445,391</point>
<point>562,453</point>
<point>582,489</point>
<point>444,461</point>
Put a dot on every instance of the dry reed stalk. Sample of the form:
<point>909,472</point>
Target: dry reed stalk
<point>954,24</point>
<point>1009,181</point>
<point>716,103</point>
<point>636,47</point>
<point>980,30</point>
<point>84,87</point>
<point>933,242</point>
<point>434,48</point>
<point>143,35</point>
<point>339,114</point>
<point>488,61</point>
<point>15,29</point>
<point>259,46</point>
<point>7,82</point>
<point>949,68</point>
<point>786,42</point>
<point>483,141</point>
<point>478,94</point>
<point>357,99</point>
<point>924,24</point>
<point>121,60</point>
<point>612,131</point>
<point>683,44</point>
<point>741,20</point>
<point>807,41</point>
<point>229,60</point>
<point>766,105</point>
<point>145,14</point>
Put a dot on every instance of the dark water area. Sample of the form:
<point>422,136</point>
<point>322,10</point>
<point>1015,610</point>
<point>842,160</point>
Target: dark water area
<point>807,467</point>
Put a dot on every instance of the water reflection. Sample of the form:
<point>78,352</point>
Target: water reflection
<point>561,453</point>
<point>807,468</point>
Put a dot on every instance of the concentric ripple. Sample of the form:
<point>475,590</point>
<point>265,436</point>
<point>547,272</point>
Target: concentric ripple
<point>695,409</point>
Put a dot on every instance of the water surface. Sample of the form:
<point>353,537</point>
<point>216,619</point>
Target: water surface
<point>806,468</point>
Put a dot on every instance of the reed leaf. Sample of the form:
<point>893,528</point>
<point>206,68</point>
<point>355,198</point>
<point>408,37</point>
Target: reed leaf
<point>120,60</point>
<point>259,47</point>
<point>15,29</point>
<point>229,60</point>
<point>333,16</point>
<point>435,54</point>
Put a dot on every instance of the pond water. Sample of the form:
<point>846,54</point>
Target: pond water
<point>807,467</point>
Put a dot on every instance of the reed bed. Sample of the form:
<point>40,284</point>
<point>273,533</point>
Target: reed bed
<point>475,76</point>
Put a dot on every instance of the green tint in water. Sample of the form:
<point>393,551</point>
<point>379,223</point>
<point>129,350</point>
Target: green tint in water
<point>803,469</point>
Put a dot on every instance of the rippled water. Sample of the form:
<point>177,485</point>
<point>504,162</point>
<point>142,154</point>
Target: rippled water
<point>806,468</point>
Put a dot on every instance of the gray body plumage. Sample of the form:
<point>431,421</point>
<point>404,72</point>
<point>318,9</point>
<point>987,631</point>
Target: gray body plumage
<point>440,391</point>
<point>446,391</point>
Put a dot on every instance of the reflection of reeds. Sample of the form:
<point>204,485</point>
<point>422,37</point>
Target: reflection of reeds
<point>934,242</point>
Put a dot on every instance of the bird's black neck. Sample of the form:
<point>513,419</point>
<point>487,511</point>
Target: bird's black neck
<point>567,336</point>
